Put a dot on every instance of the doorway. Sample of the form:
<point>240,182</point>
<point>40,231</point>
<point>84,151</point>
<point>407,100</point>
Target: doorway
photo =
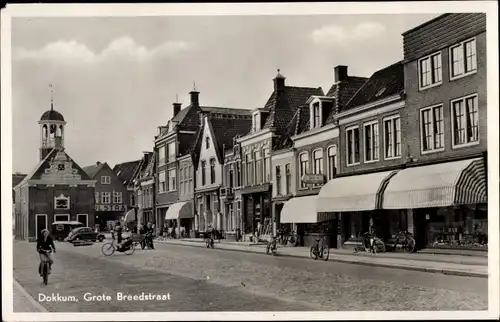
<point>83,218</point>
<point>40,224</point>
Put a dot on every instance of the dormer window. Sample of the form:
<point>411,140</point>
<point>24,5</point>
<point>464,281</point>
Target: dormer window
<point>207,143</point>
<point>316,112</point>
<point>256,121</point>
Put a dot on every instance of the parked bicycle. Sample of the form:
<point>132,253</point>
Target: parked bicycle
<point>322,251</point>
<point>371,244</point>
<point>272,246</point>
<point>406,240</point>
<point>127,247</point>
<point>45,267</point>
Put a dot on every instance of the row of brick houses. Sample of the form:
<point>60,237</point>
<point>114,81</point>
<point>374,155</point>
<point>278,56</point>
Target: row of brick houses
<point>403,149</point>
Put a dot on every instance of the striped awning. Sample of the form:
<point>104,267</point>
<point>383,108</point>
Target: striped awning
<point>180,210</point>
<point>130,215</point>
<point>302,210</point>
<point>437,185</point>
<point>354,193</point>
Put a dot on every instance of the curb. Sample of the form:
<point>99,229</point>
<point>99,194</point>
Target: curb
<point>350,261</point>
<point>30,298</point>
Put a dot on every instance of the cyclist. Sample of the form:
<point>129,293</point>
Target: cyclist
<point>44,244</point>
<point>118,232</point>
<point>149,235</point>
<point>210,233</point>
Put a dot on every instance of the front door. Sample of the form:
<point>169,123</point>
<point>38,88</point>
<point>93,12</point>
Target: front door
<point>83,218</point>
<point>41,224</point>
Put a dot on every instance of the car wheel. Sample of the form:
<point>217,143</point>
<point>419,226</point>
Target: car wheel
<point>100,238</point>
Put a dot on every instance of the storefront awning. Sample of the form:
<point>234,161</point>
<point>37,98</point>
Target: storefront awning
<point>354,193</point>
<point>299,210</point>
<point>438,185</point>
<point>130,215</point>
<point>180,210</point>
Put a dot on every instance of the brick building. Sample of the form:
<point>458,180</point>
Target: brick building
<point>443,189</point>
<point>56,189</point>
<point>110,195</point>
<point>126,172</point>
<point>269,128</point>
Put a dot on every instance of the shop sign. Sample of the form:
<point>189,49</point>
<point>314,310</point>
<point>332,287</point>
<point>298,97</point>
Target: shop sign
<point>109,208</point>
<point>311,178</point>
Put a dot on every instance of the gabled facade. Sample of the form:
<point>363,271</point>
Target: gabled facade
<point>144,183</point>
<point>125,171</point>
<point>217,135</point>
<point>269,131</point>
<point>110,195</point>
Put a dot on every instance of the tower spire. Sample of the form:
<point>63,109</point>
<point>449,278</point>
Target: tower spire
<point>194,86</point>
<point>51,97</point>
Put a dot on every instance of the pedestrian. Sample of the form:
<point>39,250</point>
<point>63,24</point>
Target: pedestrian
<point>149,235</point>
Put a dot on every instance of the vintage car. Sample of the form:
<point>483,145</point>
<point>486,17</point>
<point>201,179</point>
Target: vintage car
<point>84,234</point>
<point>61,229</point>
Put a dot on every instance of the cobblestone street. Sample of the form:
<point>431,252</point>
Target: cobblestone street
<point>200,279</point>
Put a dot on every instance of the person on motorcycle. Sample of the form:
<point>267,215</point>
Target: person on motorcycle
<point>149,235</point>
<point>44,244</point>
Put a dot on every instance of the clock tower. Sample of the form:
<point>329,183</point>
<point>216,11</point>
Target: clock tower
<point>51,131</point>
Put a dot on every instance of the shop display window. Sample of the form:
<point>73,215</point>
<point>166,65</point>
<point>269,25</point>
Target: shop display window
<point>359,223</point>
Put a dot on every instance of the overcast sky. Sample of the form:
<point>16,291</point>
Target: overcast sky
<point>115,79</point>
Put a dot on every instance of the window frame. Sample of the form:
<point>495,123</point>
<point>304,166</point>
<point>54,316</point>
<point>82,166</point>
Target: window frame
<point>203,171</point>
<point>162,184</point>
<point>371,124</point>
<point>117,197</point>
<point>419,70</point>
<point>174,188</point>
<point>288,178</point>
<point>434,150</point>
<point>450,58</point>
<point>392,119</point>
<point>335,166</point>
<point>104,181</point>
<point>105,194</point>
<point>278,179</point>
<point>347,129</point>
<point>306,170</point>
<point>452,114</point>
<point>212,171</point>
<point>162,159</point>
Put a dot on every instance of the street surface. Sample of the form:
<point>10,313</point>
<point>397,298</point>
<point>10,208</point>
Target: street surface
<point>200,279</point>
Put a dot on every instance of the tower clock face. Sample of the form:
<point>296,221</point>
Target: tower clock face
<point>60,167</point>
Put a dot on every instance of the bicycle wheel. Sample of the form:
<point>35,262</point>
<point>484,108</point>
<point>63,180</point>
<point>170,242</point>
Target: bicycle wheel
<point>45,273</point>
<point>411,244</point>
<point>212,243</point>
<point>130,251</point>
<point>108,249</point>
<point>326,253</point>
<point>313,253</point>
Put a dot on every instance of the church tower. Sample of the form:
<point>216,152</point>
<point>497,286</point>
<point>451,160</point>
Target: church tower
<point>51,130</point>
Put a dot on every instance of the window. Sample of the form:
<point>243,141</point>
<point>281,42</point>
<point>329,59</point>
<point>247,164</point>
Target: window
<point>105,180</point>
<point>267,165</point>
<point>132,199</point>
<point>162,182</point>
<point>97,200</point>
<point>316,115</point>
<point>231,176</point>
<point>288,179</point>
<point>171,180</point>
<point>304,164</point>
<point>117,197</point>
<point>212,171</point>
<point>431,120</point>
<point>332,162</point>
<point>207,143</point>
<point>430,71</point>
<point>162,155</point>
<point>318,163</point>
<point>392,137</point>
<point>61,202</point>
<point>171,152</point>
<point>465,121</point>
<point>258,168</point>
<point>463,59</point>
<point>181,181</point>
<point>106,197</point>
<point>203,173</point>
<point>249,172</point>
<point>371,142</point>
<point>278,180</point>
<point>352,142</point>
<point>237,180</point>
<point>255,122</point>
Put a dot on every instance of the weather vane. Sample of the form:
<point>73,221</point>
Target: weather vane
<point>51,97</point>
<point>194,86</point>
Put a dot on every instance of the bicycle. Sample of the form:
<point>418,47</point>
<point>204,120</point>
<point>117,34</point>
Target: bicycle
<point>128,247</point>
<point>375,245</point>
<point>45,267</point>
<point>406,240</point>
<point>322,252</point>
<point>272,247</point>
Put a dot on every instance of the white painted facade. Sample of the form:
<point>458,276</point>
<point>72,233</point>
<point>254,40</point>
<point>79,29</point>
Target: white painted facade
<point>207,154</point>
<point>283,160</point>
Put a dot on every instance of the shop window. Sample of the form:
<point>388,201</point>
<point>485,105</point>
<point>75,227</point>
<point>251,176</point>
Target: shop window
<point>359,223</point>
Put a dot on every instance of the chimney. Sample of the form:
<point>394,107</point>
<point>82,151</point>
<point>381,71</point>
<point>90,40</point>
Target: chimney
<point>340,72</point>
<point>279,82</point>
<point>98,163</point>
<point>177,108</point>
<point>146,156</point>
<point>195,98</point>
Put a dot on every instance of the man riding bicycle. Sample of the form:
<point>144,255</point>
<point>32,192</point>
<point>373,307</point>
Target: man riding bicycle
<point>44,246</point>
<point>149,235</point>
